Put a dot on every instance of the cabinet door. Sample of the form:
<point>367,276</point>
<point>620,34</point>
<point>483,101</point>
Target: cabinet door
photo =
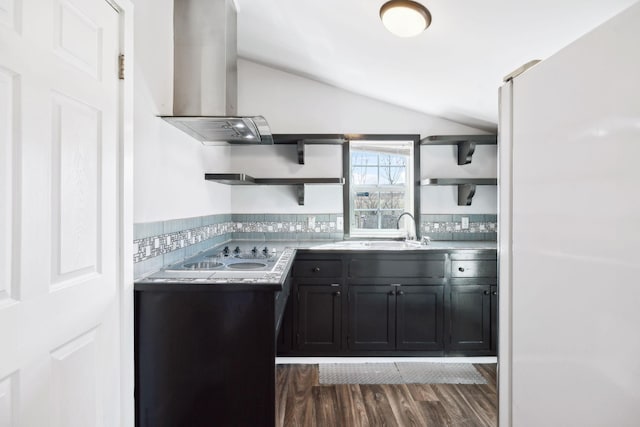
<point>470,317</point>
<point>319,317</point>
<point>372,318</point>
<point>494,319</point>
<point>420,315</point>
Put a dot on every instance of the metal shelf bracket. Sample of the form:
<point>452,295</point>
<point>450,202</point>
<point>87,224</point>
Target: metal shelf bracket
<point>465,194</point>
<point>465,152</point>
<point>301,152</point>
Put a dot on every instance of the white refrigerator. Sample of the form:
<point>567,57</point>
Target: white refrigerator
<point>569,241</point>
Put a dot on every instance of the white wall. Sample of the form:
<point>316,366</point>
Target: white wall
<point>294,104</point>
<point>169,166</point>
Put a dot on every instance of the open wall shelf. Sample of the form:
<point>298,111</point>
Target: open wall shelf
<point>466,186</point>
<point>244,179</point>
<point>466,144</point>
<point>303,139</point>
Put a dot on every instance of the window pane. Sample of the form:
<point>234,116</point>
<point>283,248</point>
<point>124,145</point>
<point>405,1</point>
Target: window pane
<point>366,219</point>
<point>366,200</point>
<point>392,200</point>
<point>390,219</point>
<point>391,160</point>
<point>392,175</point>
<point>364,158</point>
<point>361,175</point>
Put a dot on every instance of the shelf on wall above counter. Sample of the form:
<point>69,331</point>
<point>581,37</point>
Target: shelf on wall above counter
<point>466,144</point>
<point>466,186</point>
<point>300,140</point>
<point>244,179</point>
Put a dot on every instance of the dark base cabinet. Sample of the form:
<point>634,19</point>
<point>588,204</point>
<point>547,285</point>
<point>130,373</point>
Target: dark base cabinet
<point>396,317</point>
<point>204,358</point>
<point>380,303</point>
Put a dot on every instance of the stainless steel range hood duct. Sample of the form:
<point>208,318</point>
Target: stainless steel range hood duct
<point>206,76</point>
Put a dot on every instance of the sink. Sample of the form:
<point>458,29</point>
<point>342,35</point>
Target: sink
<point>372,244</point>
<point>246,265</point>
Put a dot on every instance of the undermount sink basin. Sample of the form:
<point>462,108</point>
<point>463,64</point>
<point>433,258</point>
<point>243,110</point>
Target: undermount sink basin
<point>246,265</point>
<point>372,244</point>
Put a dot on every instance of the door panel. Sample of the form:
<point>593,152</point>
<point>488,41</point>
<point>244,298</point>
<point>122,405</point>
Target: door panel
<point>372,318</point>
<point>59,320</point>
<point>9,88</point>
<point>319,314</point>
<point>470,318</point>
<point>420,312</point>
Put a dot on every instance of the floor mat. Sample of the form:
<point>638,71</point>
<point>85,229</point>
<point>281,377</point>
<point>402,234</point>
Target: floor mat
<point>399,373</point>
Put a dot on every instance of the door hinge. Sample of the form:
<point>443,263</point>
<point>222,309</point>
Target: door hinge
<point>121,66</point>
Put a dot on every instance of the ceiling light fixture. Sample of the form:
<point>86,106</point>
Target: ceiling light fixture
<point>405,18</point>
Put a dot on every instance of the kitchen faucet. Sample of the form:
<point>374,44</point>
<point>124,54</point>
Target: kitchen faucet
<point>409,235</point>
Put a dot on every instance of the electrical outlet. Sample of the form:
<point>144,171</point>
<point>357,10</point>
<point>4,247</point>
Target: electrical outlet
<point>339,223</point>
<point>311,222</point>
<point>465,222</point>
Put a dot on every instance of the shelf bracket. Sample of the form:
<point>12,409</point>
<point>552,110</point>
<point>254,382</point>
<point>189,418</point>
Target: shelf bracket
<point>300,192</point>
<point>465,194</point>
<point>300,144</point>
<point>465,152</point>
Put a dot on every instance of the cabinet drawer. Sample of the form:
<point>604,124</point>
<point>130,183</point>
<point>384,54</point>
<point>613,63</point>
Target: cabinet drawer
<point>317,268</point>
<point>474,268</point>
<point>381,268</point>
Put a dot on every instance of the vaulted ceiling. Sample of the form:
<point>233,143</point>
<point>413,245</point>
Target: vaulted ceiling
<point>452,70</point>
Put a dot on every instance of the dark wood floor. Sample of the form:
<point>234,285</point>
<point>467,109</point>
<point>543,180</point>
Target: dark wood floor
<point>301,401</point>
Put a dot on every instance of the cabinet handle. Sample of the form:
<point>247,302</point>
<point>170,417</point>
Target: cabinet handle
<point>494,293</point>
<point>392,293</point>
<point>460,269</point>
<point>315,269</point>
<point>400,292</point>
<point>335,285</point>
<point>337,293</point>
<point>487,292</point>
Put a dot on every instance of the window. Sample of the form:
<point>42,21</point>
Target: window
<point>380,186</point>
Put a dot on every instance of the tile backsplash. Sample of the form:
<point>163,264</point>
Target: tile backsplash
<point>157,244</point>
<point>449,227</point>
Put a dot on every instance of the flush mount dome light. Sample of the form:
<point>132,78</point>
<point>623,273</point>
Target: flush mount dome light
<point>405,18</point>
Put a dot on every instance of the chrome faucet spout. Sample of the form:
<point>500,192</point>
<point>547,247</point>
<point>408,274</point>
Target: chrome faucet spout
<point>409,235</point>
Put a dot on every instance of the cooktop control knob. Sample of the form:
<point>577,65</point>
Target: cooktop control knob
<point>236,250</point>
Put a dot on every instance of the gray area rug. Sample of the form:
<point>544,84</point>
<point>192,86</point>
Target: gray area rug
<point>400,373</point>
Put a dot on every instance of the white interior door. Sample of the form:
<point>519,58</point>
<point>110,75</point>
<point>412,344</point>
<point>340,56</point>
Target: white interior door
<point>59,330</point>
<point>570,235</point>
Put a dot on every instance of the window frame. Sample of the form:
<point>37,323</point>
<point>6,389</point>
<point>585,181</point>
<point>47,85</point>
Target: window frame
<point>414,186</point>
